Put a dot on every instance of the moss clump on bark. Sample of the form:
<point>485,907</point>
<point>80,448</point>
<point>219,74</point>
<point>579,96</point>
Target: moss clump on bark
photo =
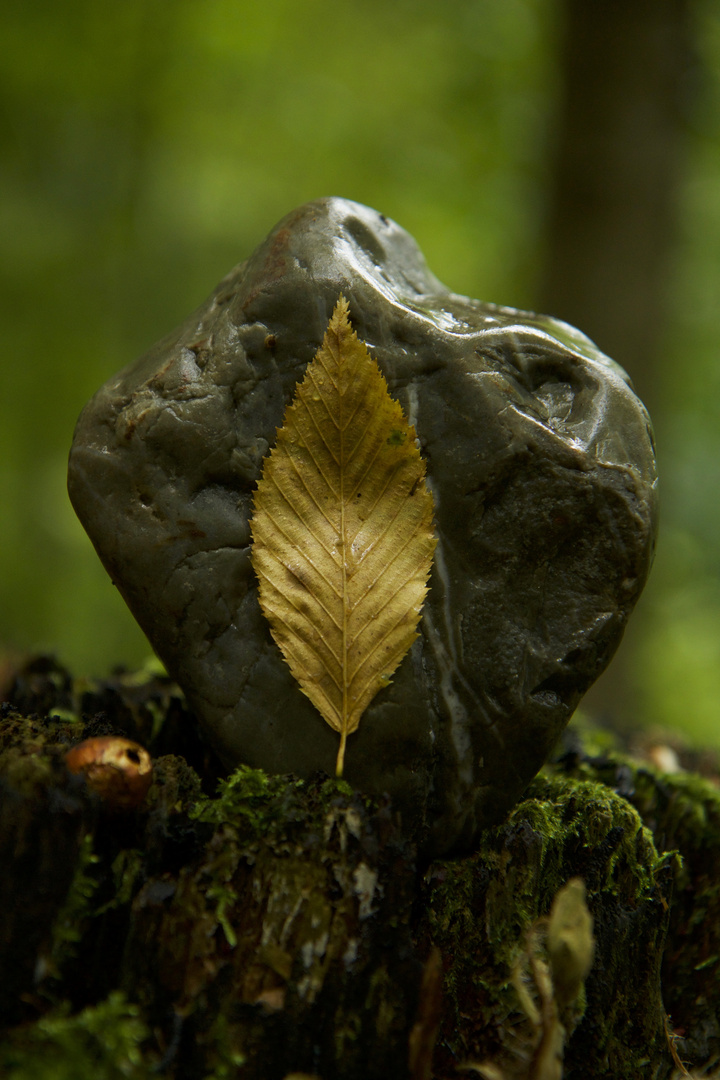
<point>478,911</point>
<point>269,926</point>
<point>682,810</point>
<point>102,1041</point>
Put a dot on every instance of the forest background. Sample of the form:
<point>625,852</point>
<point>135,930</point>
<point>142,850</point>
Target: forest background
<point>556,155</point>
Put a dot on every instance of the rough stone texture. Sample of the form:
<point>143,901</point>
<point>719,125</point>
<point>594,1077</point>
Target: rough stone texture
<point>541,463</point>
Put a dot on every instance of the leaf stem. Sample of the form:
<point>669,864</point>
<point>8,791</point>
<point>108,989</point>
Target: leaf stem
<point>341,754</point>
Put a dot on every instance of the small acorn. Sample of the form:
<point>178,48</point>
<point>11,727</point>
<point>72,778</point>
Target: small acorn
<point>117,769</point>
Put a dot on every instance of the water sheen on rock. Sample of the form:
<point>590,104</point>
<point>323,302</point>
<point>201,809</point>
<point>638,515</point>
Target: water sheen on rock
<point>540,460</point>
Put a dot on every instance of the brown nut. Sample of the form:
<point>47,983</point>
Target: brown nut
<point>117,769</point>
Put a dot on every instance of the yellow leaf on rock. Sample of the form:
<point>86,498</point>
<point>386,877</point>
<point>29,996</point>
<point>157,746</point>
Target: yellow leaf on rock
<point>342,531</point>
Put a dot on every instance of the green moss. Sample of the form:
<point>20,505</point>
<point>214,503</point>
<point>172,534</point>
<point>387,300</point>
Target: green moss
<point>26,773</point>
<point>220,893</point>
<point>64,716</point>
<point>586,811</point>
<point>682,811</point>
<point>245,797</point>
<point>68,928</point>
<point>480,909</point>
<point>251,799</point>
<point>103,1042</point>
<point>127,869</point>
<point>253,808</point>
<point>163,902</point>
<point>224,1057</point>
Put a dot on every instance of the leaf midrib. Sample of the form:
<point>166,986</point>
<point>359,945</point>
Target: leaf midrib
<point>343,543</point>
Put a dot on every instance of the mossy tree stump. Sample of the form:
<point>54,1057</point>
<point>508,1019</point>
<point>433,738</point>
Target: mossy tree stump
<point>276,927</point>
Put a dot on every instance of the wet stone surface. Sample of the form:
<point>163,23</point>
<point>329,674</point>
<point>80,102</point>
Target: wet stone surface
<point>541,464</point>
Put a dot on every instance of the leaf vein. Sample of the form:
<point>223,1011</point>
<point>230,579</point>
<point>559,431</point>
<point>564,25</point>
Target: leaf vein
<point>273,585</point>
<point>378,611</point>
<point>302,553</point>
<point>308,644</point>
<point>303,521</point>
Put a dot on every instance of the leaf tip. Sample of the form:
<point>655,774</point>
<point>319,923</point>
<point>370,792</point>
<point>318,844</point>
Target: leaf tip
<point>340,318</point>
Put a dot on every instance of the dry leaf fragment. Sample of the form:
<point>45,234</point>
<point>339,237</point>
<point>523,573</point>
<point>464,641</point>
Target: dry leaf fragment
<point>342,531</point>
<point>570,941</point>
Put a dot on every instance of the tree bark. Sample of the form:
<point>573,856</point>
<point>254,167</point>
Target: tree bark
<point>282,928</point>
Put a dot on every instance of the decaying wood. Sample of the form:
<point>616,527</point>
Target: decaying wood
<point>283,928</point>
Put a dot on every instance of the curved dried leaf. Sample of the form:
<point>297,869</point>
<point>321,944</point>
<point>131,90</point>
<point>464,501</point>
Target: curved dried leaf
<point>342,531</point>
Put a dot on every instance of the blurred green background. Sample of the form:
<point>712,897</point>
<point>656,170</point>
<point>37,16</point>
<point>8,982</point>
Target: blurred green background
<point>149,146</point>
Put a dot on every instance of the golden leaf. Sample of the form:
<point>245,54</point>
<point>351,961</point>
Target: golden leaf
<point>342,531</point>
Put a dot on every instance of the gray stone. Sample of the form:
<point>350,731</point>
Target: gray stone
<point>540,460</point>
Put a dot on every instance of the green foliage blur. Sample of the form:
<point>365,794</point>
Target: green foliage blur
<point>674,638</point>
<point>149,146</point>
